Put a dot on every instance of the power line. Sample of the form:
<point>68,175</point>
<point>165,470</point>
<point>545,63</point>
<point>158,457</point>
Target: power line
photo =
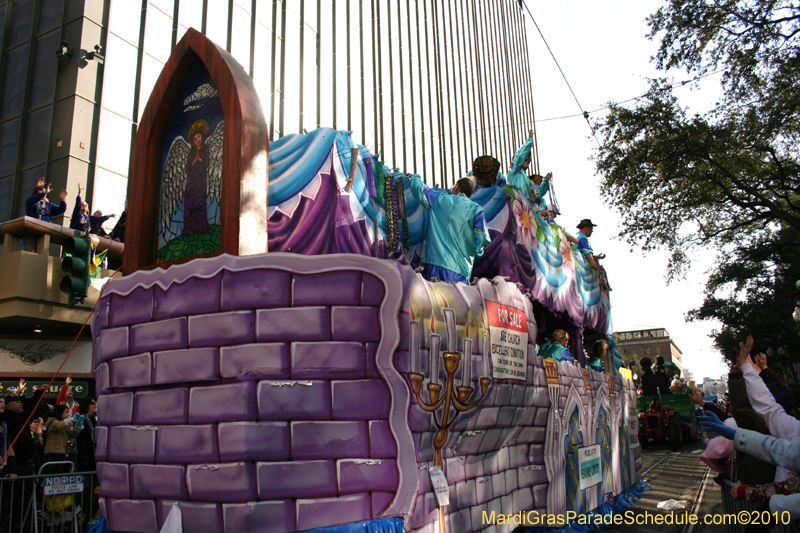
<point>583,112</point>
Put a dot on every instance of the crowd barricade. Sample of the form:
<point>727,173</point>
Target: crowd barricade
<point>57,500</point>
<point>731,505</point>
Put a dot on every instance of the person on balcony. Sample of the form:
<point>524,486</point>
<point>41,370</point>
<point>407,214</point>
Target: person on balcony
<point>457,231</point>
<point>38,206</point>
<point>81,219</point>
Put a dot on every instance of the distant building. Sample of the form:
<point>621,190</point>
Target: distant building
<point>648,341</point>
<point>687,375</point>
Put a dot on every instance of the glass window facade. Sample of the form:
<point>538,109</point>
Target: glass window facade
<point>430,85</point>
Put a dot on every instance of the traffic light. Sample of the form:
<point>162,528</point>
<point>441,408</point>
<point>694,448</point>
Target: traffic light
<point>76,283</point>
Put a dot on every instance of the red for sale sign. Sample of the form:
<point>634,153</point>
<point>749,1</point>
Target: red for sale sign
<point>508,336</point>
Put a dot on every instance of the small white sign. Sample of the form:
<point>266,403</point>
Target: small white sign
<point>508,336</point>
<point>439,482</point>
<point>589,466</point>
<point>71,484</point>
<point>633,431</point>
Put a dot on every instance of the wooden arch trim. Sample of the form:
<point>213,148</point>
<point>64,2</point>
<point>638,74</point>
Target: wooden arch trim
<point>243,207</point>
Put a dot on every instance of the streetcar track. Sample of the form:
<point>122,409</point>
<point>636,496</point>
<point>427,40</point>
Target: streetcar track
<point>698,501</point>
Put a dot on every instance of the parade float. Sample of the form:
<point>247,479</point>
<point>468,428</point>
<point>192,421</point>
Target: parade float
<point>272,360</point>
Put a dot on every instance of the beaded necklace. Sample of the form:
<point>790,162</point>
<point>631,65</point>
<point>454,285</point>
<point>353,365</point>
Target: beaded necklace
<point>401,204</point>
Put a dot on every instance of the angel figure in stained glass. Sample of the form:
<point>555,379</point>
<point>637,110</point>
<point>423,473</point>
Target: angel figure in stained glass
<point>192,176</point>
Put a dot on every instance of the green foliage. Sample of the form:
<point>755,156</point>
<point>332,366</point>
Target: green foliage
<point>191,245</point>
<point>728,179</point>
<point>680,180</point>
<point>753,292</point>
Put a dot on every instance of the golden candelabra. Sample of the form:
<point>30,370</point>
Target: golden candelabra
<point>455,396</point>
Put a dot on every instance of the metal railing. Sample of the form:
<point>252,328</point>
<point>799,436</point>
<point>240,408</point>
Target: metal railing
<point>730,505</point>
<point>38,503</point>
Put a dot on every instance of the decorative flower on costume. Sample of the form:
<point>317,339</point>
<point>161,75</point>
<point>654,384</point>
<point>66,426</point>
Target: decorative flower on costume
<point>567,253</point>
<point>526,224</point>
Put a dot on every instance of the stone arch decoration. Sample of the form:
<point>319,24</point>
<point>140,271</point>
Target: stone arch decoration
<point>198,181</point>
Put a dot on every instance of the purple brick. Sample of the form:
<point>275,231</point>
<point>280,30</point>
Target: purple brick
<point>260,517</point>
<point>518,456</point>
<point>168,406</point>
<point>487,417</point>
<point>532,435</point>
<point>111,343</point>
<point>380,502</point>
<point>163,335</point>
<point>359,475</point>
<point>116,408</point>
<point>196,364</point>
<point>372,290</point>
<point>466,495</point>
<point>134,516</point>
<point>536,454</point>
<point>114,480</point>
<point>187,444</point>
<point>256,288</point>
<point>461,520</point>
<point>499,485</point>
<point>331,511</point>
<point>158,481</point>
<point>502,394</point>
<point>328,359</point>
<point>381,441</point>
<point>100,320</point>
<point>195,516</point>
<point>135,308</point>
<point>298,324</point>
<point>455,469</point>
<point>253,441</point>
<point>541,417</point>
<point>294,400</point>
<point>349,396</point>
<point>102,379</point>
<point>101,443</point>
<point>129,445</point>
<point>226,483</point>
<point>506,416</point>
<point>329,288</point>
<point>531,475</point>
<point>193,297</point>
<point>372,370</point>
<point>355,324</point>
<point>540,495</point>
<point>255,361</point>
<point>490,440</point>
<point>511,480</point>
<point>236,401</point>
<point>296,479</point>
<point>233,327</point>
<point>131,371</point>
<point>522,500</point>
<point>329,440</point>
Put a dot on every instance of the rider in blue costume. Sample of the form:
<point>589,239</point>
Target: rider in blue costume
<point>518,177</point>
<point>557,348</point>
<point>457,232</point>
<point>485,170</point>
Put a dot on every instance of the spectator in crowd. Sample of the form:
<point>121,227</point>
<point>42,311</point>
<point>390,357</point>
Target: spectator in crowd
<point>780,452</point>
<point>59,430</point>
<point>65,397</point>
<point>18,410</point>
<point>86,438</point>
<point>37,427</point>
<point>38,206</point>
<point>457,232</point>
<point>82,220</point>
<point>557,348</point>
<point>7,458</point>
<point>586,228</point>
<point>118,233</point>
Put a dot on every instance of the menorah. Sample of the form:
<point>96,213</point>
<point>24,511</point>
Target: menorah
<point>453,397</point>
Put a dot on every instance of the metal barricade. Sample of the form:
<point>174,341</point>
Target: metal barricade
<point>730,505</point>
<point>58,501</point>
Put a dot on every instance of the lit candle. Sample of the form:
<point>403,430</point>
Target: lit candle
<point>413,345</point>
<point>486,363</point>
<point>450,326</point>
<point>434,359</point>
<point>466,377</point>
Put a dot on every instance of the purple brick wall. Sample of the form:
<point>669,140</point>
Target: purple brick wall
<point>241,395</point>
<point>263,390</point>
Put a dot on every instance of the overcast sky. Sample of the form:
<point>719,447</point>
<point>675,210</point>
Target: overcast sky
<point>604,52</point>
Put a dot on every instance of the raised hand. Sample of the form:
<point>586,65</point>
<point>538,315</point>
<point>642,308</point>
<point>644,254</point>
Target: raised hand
<point>69,380</point>
<point>761,361</point>
<point>63,195</point>
<point>711,422</point>
<point>696,395</point>
<point>80,189</point>
<point>530,134</point>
